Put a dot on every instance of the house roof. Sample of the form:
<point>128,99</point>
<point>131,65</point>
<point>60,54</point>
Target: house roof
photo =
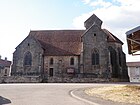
<point>133,64</point>
<point>59,42</point>
<point>133,40</point>
<point>133,30</point>
<point>5,63</point>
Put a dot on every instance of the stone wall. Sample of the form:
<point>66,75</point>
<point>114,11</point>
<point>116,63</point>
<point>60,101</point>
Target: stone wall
<point>20,79</point>
<point>95,39</point>
<point>28,45</point>
<point>76,80</point>
<point>60,64</point>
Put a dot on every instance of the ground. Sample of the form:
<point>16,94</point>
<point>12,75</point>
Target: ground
<point>40,94</point>
<point>121,93</point>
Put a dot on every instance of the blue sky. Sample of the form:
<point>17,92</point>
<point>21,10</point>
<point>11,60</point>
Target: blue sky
<point>18,17</point>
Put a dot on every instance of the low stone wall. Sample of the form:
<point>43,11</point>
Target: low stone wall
<point>38,79</point>
<point>76,80</point>
<point>20,79</point>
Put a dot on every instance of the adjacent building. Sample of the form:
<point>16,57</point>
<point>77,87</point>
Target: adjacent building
<point>4,67</point>
<point>71,55</point>
<point>133,41</point>
<point>134,71</point>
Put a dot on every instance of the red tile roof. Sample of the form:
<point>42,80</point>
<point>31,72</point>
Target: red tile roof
<point>59,42</point>
<point>111,37</point>
<point>64,42</point>
<point>5,63</point>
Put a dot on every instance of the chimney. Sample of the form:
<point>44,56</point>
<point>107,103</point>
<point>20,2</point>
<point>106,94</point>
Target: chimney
<point>0,56</point>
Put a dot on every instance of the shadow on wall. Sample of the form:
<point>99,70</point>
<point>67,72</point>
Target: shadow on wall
<point>4,101</point>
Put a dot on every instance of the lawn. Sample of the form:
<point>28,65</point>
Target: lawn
<point>122,93</point>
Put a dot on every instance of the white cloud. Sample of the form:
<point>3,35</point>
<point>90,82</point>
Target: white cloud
<point>86,1</point>
<point>118,17</point>
<point>100,3</point>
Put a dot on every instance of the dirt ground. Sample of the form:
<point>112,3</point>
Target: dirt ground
<point>122,93</point>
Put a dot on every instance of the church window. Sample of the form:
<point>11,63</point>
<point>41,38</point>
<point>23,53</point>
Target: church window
<point>51,61</point>
<point>94,37</point>
<point>72,61</point>
<point>28,59</point>
<point>120,59</point>
<point>113,59</point>
<point>95,57</point>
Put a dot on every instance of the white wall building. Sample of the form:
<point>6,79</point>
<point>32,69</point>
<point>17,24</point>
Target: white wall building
<point>134,71</point>
<point>4,67</point>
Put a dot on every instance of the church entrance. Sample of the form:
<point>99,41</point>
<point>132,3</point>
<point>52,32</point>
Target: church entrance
<point>51,72</point>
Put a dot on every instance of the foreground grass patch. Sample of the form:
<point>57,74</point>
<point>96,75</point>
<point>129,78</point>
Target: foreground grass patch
<point>125,93</point>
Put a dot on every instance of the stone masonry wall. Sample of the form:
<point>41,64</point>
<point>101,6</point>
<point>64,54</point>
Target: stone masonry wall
<point>60,64</point>
<point>95,39</point>
<point>20,79</point>
<point>28,45</point>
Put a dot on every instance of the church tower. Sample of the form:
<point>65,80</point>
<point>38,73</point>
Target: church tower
<point>95,52</point>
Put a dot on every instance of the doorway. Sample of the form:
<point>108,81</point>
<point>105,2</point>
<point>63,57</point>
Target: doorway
<point>51,72</point>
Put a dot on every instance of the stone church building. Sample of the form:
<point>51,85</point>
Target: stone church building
<point>88,55</point>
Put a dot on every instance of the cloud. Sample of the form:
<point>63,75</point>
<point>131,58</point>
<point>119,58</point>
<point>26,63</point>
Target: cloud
<point>100,3</point>
<point>118,16</point>
<point>86,1</point>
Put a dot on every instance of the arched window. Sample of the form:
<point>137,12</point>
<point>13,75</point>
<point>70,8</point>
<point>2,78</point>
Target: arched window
<point>120,57</point>
<point>95,57</point>
<point>28,59</point>
<point>72,61</point>
<point>51,61</point>
<point>113,58</point>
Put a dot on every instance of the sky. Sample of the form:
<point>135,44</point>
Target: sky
<point>18,17</point>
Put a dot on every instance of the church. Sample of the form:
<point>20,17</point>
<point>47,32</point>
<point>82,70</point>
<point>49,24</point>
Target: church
<point>89,55</point>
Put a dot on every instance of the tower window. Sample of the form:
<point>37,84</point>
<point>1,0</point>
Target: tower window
<point>95,58</point>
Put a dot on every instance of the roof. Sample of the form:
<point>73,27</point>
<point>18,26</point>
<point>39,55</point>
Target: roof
<point>111,37</point>
<point>132,30</point>
<point>64,42</point>
<point>5,63</point>
<point>133,64</point>
<point>133,40</point>
<point>59,42</point>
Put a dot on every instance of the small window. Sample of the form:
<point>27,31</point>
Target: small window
<point>51,61</point>
<point>72,61</point>
<point>94,34</point>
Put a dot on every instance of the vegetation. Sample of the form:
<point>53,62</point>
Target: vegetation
<point>121,93</point>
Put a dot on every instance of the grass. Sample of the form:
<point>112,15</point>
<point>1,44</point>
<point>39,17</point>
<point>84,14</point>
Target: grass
<point>122,93</point>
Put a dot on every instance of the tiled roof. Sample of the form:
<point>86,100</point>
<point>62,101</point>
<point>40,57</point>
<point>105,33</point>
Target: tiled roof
<point>133,64</point>
<point>111,37</point>
<point>64,42</point>
<point>5,63</point>
<point>59,42</point>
